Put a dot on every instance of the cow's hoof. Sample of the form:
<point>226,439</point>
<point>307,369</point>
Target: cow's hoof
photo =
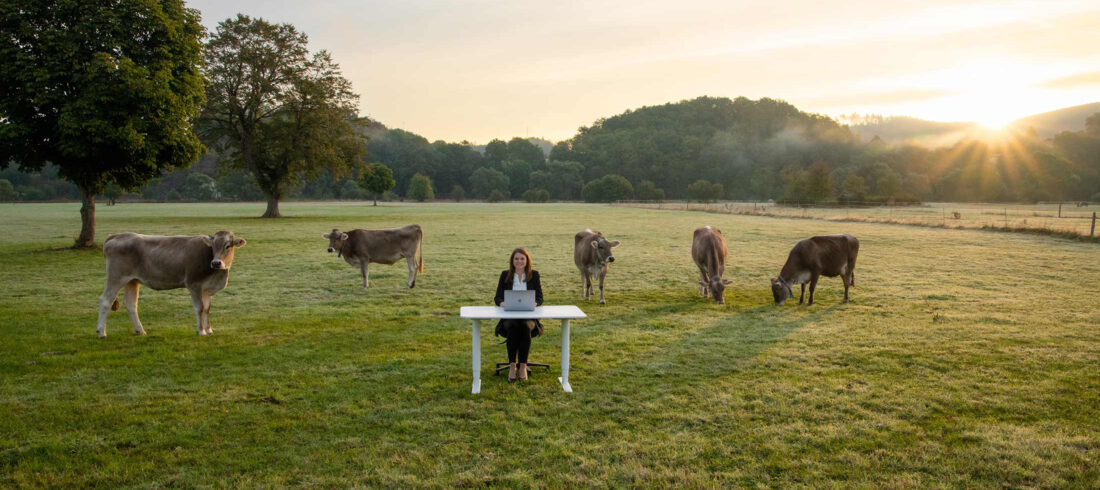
<point>602,302</point>
<point>202,333</point>
<point>102,335</point>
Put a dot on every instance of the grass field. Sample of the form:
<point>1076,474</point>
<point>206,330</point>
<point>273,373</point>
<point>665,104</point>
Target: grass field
<point>965,359</point>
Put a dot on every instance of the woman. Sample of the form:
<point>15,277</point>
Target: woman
<point>518,333</point>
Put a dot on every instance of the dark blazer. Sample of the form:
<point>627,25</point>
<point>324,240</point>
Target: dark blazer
<point>505,283</point>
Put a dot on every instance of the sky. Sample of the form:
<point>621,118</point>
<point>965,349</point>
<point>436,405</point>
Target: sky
<point>479,70</point>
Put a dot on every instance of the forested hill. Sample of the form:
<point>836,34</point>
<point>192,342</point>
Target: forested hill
<point>739,143</point>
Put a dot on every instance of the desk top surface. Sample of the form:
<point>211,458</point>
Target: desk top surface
<point>559,312</point>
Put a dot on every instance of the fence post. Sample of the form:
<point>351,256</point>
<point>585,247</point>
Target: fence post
<point>1093,229</point>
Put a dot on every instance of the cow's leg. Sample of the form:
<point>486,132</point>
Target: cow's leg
<point>802,295</point>
<point>603,273</point>
<point>411,259</point>
<point>366,276</point>
<point>845,279</point>
<point>584,285</point>
<point>813,286</point>
<point>703,281</point>
<point>196,302</point>
<point>130,299</point>
<point>106,300</point>
<point>206,297</point>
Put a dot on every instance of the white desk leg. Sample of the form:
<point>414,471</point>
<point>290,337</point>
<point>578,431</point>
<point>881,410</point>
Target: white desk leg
<point>477,356</point>
<point>564,379</point>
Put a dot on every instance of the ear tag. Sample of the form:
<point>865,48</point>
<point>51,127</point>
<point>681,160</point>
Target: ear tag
<point>340,254</point>
<point>790,293</point>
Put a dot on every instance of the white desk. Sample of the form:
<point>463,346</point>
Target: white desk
<point>563,313</point>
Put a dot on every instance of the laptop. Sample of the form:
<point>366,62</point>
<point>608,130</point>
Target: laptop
<point>518,300</point>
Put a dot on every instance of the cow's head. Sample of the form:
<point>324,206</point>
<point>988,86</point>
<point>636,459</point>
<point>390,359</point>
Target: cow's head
<point>222,244</point>
<point>781,291</point>
<point>603,250</point>
<point>335,239</point>
<point>717,287</point>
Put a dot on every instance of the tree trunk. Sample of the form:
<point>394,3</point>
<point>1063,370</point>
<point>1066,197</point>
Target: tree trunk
<point>272,208</point>
<point>87,220</point>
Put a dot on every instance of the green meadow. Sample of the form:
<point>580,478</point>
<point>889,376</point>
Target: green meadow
<point>965,359</point>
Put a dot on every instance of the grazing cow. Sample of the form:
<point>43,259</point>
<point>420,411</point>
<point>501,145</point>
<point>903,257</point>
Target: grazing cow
<point>199,263</point>
<point>361,247</point>
<point>592,254</point>
<point>708,250</point>
<point>829,256</point>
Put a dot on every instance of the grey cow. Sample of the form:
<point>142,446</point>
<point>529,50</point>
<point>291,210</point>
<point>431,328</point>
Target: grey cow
<point>592,254</point>
<point>362,247</point>
<point>199,263</point>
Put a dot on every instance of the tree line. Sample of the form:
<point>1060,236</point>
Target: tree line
<point>103,100</point>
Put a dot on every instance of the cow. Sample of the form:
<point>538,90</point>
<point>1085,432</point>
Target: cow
<point>829,256</point>
<point>362,247</point>
<point>592,254</point>
<point>708,250</point>
<point>199,263</point>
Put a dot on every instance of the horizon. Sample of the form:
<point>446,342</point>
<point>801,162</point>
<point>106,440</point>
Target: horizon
<point>477,71</point>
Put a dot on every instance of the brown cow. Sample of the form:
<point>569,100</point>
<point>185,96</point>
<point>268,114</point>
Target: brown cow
<point>708,250</point>
<point>829,256</point>
<point>361,247</point>
<point>592,254</point>
<point>199,263</point>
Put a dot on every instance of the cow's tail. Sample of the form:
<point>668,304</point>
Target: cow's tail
<point>420,248</point>
<point>114,306</point>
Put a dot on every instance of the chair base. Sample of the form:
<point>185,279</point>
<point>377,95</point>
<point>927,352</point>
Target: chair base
<point>503,366</point>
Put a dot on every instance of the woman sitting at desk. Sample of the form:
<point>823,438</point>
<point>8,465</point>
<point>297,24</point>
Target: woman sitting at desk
<point>518,277</point>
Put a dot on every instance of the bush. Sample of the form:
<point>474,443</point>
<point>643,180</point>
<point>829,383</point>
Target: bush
<point>497,196</point>
<point>705,191</point>
<point>458,193</point>
<point>486,180</point>
<point>389,196</point>
<point>7,191</point>
<point>536,195</point>
<point>648,191</point>
<point>420,188</point>
<point>608,188</point>
<point>200,187</point>
<point>351,191</point>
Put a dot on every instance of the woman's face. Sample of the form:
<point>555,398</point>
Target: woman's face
<point>519,261</point>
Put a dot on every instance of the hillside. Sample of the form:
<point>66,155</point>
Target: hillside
<point>1051,123</point>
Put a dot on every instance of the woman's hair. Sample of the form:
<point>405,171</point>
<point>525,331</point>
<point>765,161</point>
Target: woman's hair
<point>512,265</point>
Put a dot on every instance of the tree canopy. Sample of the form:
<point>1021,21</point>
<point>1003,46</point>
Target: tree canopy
<point>108,92</point>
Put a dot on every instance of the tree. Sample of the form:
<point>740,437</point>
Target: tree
<point>376,179</point>
<point>496,152</point>
<point>274,110</point>
<point>107,91</point>
<point>112,191</point>
<point>458,193</point>
<point>853,189</point>
<point>497,196</point>
<point>351,191</point>
<point>608,188</point>
<point>648,191</point>
<point>486,180</point>
<point>420,188</point>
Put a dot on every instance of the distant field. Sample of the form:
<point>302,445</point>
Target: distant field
<point>966,358</point>
<point>1071,219</point>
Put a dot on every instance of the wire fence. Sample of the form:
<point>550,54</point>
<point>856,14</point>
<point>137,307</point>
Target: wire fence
<point>1073,218</point>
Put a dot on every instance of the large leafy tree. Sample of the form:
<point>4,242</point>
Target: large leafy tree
<point>376,179</point>
<point>277,111</point>
<point>107,91</point>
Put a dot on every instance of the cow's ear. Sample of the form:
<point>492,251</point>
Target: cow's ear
<point>325,235</point>
<point>727,282</point>
<point>343,236</point>
<point>614,243</point>
<point>208,240</point>
<point>595,244</point>
<point>239,242</point>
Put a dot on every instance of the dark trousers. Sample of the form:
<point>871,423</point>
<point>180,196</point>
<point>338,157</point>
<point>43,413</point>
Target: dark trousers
<point>518,340</point>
